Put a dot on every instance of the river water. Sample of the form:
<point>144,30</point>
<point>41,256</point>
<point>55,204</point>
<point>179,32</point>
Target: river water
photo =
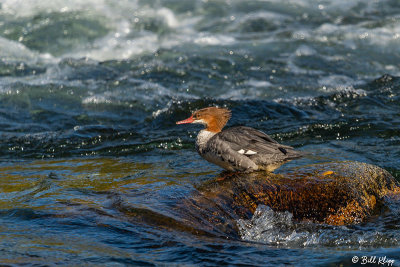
<point>92,163</point>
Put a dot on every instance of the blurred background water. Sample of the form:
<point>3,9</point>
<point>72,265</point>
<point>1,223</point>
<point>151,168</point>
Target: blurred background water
<point>91,161</point>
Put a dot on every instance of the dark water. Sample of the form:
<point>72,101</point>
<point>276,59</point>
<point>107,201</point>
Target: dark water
<point>92,163</point>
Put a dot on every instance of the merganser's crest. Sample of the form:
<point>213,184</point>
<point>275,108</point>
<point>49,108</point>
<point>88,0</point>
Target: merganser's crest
<point>214,118</point>
<point>238,148</point>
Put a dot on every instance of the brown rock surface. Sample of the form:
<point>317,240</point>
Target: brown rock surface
<point>336,193</point>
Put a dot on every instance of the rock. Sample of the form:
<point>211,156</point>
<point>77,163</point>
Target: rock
<point>338,193</point>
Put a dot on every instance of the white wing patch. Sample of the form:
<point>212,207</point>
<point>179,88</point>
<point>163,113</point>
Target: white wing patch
<point>248,152</point>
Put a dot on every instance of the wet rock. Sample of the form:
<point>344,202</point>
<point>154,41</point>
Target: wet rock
<point>339,193</point>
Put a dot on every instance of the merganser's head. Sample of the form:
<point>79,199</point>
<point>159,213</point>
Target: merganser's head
<point>213,118</point>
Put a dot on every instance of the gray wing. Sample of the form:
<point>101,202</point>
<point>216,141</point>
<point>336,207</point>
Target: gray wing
<point>256,145</point>
<point>227,157</point>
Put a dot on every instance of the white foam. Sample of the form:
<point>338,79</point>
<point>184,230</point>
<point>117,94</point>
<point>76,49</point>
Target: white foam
<point>14,51</point>
<point>158,112</point>
<point>97,99</point>
<point>168,16</point>
<point>126,38</point>
<point>305,50</point>
<point>219,39</point>
<point>119,43</point>
<point>139,90</point>
<point>10,50</point>
<point>122,16</point>
<point>22,8</point>
<point>111,47</point>
<point>354,36</point>
<point>258,83</point>
<point>279,228</point>
<point>272,17</point>
<point>271,227</point>
<point>336,83</point>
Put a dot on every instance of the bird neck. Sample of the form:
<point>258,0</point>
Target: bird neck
<point>203,137</point>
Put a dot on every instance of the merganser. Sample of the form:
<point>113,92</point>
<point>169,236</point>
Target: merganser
<point>237,148</point>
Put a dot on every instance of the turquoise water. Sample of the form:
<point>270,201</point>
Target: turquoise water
<point>93,165</point>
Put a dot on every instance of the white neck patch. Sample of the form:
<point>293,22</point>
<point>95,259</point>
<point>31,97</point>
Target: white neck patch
<point>203,137</point>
